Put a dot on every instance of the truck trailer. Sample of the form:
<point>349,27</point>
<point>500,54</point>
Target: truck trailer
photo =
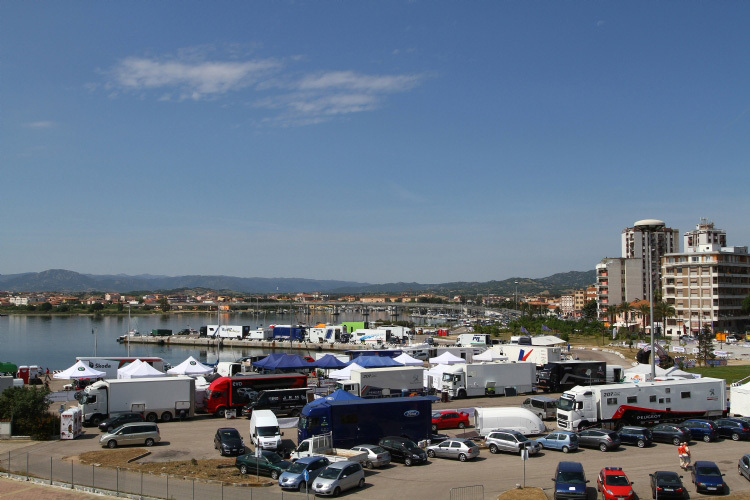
<point>644,403</point>
<point>326,333</point>
<point>563,375</point>
<point>155,398</point>
<point>489,379</point>
<point>384,382</point>
<point>539,355</point>
<point>232,393</point>
<point>360,421</point>
<point>473,340</point>
<point>227,331</point>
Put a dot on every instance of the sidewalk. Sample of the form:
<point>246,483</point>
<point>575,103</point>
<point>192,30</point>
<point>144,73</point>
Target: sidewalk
<point>27,490</point>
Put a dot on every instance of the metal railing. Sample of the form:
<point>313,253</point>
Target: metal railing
<point>475,492</point>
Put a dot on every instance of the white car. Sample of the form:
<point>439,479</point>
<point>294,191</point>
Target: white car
<point>377,456</point>
<point>338,477</point>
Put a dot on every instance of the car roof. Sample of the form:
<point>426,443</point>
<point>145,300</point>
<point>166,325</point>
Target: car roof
<point>509,431</point>
<point>705,463</point>
<point>613,471</point>
<point>308,460</point>
<point>227,429</point>
<point>634,428</point>
<point>340,465</point>
<point>570,466</point>
<point>666,473</point>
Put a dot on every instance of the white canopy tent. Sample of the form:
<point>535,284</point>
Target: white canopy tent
<point>739,400</point>
<point>546,340</point>
<point>433,378</point>
<point>490,355</point>
<point>139,369</point>
<point>407,360</point>
<point>190,367</point>
<point>344,373</point>
<point>446,359</point>
<point>79,371</point>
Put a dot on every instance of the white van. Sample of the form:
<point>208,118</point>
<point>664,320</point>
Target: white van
<point>264,430</point>
<point>517,419</point>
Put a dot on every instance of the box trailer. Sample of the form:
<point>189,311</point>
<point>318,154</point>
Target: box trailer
<point>360,421</point>
<point>473,340</point>
<point>384,382</point>
<point>326,333</point>
<point>539,355</point>
<point>227,331</point>
<point>518,419</point>
<point>615,405</point>
<point>289,333</point>
<point>563,375</point>
<point>162,398</point>
<point>489,379</point>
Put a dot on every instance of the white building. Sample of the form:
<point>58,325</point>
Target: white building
<point>706,283</point>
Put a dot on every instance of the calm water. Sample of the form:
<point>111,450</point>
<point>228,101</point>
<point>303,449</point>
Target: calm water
<point>55,341</point>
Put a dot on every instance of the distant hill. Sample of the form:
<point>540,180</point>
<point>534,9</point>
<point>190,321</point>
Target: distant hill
<point>60,280</point>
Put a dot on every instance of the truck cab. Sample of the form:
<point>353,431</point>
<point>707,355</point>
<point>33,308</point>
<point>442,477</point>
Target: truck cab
<point>93,403</point>
<point>575,409</point>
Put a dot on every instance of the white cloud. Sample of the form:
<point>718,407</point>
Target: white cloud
<point>40,124</point>
<point>355,81</point>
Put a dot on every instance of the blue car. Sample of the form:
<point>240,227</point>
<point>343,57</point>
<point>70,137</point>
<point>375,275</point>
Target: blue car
<point>294,477</point>
<point>707,477</point>
<point>570,481</point>
<point>734,428</point>
<point>562,440</point>
<point>703,429</point>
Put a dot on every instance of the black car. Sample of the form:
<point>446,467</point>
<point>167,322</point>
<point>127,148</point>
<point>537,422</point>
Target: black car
<point>639,436</point>
<point>734,428</point>
<point>599,438</point>
<point>671,433</point>
<point>116,421</point>
<point>403,450</point>
<point>228,441</point>
<point>666,484</point>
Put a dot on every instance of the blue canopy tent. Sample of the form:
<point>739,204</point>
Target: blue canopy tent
<point>271,357</point>
<point>287,362</point>
<point>329,362</point>
<point>376,362</point>
<point>337,395</point>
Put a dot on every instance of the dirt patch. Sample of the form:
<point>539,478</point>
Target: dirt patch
<point>523,494</point>
<point>218,469</point>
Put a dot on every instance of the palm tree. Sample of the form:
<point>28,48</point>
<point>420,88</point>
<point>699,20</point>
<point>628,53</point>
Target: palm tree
<point>662,311</point>
<point>625,308</point>
<point>645,310</point>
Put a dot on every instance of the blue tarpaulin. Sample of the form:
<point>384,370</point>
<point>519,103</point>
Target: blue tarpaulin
<point>329,361</point>
<point>376,362</point>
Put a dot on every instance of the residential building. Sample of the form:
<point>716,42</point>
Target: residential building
<point>567,305</point>
<point>618,280</point>
<point>706,283</point>
<point>634,246</point>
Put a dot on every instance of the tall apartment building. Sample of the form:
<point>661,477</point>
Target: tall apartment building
<point>618,280</point>
<point>634,246</point>
<point>706,283</point>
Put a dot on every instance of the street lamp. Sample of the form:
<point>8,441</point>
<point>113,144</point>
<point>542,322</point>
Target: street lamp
<point>516,295</point>
<point>649,227</point>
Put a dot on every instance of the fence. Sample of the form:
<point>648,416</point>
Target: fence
<point>133,484</point>
<point>475,492</point>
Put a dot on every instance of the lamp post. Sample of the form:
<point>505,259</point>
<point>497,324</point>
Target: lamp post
<point>649,227</point>
<point>516,295</point>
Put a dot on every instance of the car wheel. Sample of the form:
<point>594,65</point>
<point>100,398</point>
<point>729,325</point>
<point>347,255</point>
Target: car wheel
<point>407,461</point>
<point>641,443</point>
<point>302,485</point>
<point>274,475</point>
<point>602,447</point>
<point>337,491</point>
<point>368,465</point>
<point>434,428</point>
<point>166,416</point>
<point>493,449</point>
<point>430,453</point>
<point>565,449</point>
<point>461,425</point>
<point>653,494</point>
<point>361,483</point>
<point>243,469</point>
<point>676,441</point>
<point>149,442</point>
<point>739,470</point>
<point>707,438</point>
<point>111,443</point>
<point>96,420</point>
<point>462,458</point>
<point>221,452</point>
<point>735,436</point>
<point>151,417</point>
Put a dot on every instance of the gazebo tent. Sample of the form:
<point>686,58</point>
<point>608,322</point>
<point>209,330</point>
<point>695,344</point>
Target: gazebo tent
<point>376,362</point>
<point>286,362</point>
<point>329,362</point>
<point>140,370</point>
<point>446,359</point>
<point>433,378</point>
<point>271,357</point>
<point>407,360</point>
<point>337,395</point>
<point>546,340</point>
<point>345,373</point>
<point>191,367</point>
<point>79,371</point>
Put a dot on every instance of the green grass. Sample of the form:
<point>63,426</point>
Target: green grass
<point>728,373</point>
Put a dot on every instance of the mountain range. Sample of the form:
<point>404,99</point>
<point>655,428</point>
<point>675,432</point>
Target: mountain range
<point>61,280</point>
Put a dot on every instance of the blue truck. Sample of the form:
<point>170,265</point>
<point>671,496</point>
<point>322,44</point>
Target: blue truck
<point>288,332</point>
<point>358,421</point>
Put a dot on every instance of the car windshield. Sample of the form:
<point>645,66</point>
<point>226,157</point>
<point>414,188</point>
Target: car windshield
<point>522,439</point>
<point>411,446</point>
<point>272,457</point>
<point>435,414</point>
<point>376,449</point>
<point>268,431</point>
<point>617,481</point>
<point>297,467</point>
<point>565,404</point>
<point>707,471</point>
<point>329,473</point>
<point>669,480</point>
<point>570,477</point>
<point>233,434</point>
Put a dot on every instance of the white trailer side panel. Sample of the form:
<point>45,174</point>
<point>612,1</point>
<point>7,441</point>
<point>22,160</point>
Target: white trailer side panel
<point>154,395</point>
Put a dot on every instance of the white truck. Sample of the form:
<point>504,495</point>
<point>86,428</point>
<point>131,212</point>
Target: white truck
<point>396,332</point>
<point>539,355</point>
<point>641,403</point>
<point>384,382</point>
<point>162,398</point>
<point>321,446</point>
<point>227,331</point>
<point>473,340</point>
<point>518,419</point>
<point>371,336</point>
<point>326,333</point>
<point>489,379</point>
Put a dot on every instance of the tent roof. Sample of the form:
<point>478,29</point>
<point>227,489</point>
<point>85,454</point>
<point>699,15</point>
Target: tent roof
<point>190,366</point>
<point>140,370</point>
<point>329,361</point>
<point>546,340</point>
<point>337,395</point>
<point>79,370</point>
<point>376,362</point>
<point>345,373</point>
<point>262,363</point>
<point>407,360</point>
<point>447,358</point>
<point>489,355</point>
<point>288,362</point>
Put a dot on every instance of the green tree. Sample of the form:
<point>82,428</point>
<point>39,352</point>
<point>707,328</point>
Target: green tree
<point>45,307</point>
<point>589,310</point>
<point>705,347</point>
<point>645,310</point>
<point>746,305</point>
<point>625,308</point>
<point>164,304</point>
<point>663,311</point>
<point>96,307</point>
<point>27,407</point>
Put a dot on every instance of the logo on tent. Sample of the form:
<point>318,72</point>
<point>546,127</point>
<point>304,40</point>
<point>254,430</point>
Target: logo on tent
<point>81,368</point>
<point>192,363</point>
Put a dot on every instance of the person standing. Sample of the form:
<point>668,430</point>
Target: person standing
<point>684,453</point>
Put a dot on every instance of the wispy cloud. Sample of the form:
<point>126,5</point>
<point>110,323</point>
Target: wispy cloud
<point>40,124</point>
<point>291,97</point>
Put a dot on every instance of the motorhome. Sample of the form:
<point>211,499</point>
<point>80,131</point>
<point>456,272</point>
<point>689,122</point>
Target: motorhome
<point>326,333</point>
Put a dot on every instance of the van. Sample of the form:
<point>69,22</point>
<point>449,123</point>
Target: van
<point>542,406</point>
<point>140,433</point>
<point>280,401</point>
<point>264,430</point>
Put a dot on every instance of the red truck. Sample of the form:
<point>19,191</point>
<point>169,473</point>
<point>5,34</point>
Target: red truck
<point>226,393</point>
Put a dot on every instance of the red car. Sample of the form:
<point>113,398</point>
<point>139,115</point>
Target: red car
<point>449,419</point>
<point>614,484</point>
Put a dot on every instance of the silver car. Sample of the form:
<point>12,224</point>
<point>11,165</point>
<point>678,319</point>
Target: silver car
<point>338,477</point>
<point>146,433</point>
<point>510,440</point>
<point>377,456</point>
<point>462,449</point>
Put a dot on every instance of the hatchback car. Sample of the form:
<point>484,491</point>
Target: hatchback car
<point>614,484</point>
<point>449,419</point>
<point>300,474</point>
<point>338,477</point>
<point>638,436</point>
<point>268,463</point>
<point>707,477</point>
<point>228,441</point>
<point>599,438</point>
<point>462,449</point>
<point>376,456</point>
<point>509,440</point>
<point>702,429</point>
<point>743,466</point>
<point>145,433</point>
<point>671,433</point>
<point>733,428</point>
<point>123,418</point>
<point>403,450</point>
<point>570,482</point>
<point>666,484</point>
<point>562,440</point>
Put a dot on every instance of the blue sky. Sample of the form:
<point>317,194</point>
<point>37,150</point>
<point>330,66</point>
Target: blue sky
<point>372,141</point>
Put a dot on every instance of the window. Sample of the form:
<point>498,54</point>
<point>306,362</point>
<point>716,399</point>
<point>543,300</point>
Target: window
<point>632,399</point>
<point>611,401</point>
<point>685,395</point>
<point>652,399</point>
